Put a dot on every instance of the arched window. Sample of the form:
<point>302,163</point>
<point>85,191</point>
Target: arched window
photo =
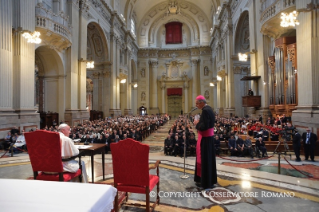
<point>133,26</point>
<point>173,33</point>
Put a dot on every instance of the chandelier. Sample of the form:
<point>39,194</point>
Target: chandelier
<point>32,38</point>
<point>289,19</point>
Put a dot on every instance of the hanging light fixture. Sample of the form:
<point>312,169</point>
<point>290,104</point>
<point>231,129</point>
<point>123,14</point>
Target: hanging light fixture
<point>32,38</point>
<point>289,19</point>
<point>90,64</point>
<point>242,57</point>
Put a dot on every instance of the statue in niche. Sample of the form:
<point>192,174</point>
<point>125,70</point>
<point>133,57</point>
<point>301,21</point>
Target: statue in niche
<point>206,71</point>
<point>206,94</point>
<point>143,72</point>
<point>143,96</point>
<point>174,70</point>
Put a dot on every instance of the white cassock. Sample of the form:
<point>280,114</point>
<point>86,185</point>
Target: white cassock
<point>68,149</point>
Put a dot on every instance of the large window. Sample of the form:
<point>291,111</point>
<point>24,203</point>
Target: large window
<point>173,33</point>
<point>132,26</point>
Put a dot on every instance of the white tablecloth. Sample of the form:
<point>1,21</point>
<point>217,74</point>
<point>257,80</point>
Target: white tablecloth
<point>37,195</point>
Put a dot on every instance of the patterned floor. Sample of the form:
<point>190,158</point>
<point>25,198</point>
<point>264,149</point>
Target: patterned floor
<point>242,186</point>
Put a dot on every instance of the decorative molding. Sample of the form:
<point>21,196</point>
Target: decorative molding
<point>291,50</point>
<point>272,63</point>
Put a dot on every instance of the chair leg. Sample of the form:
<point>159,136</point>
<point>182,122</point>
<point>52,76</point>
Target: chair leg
<point>116,202</point>
<point>158,197</point>
<point>147,199</point>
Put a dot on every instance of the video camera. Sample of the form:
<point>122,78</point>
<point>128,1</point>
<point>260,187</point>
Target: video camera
<point>287,133</point>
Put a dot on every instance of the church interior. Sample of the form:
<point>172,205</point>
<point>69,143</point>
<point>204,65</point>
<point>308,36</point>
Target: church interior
<point>75,61</point>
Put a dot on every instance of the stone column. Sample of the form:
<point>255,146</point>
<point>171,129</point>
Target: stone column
<point>239,91</point>
<point>230,108</point>
<point>163,86</point>
<point>118,89</point>
<point>61,6</point>
<point>153,80</point>
<point>128,108</point>
<point>23,59</point>
<point>106,90</point>
<point>114,81</point>
<point>56,6</point>
<point>6,79</point>
<point>75,92</point>
<point>307,113</point>
<point>194,63</point>
<point>95,91</point>
<point>186,86</point>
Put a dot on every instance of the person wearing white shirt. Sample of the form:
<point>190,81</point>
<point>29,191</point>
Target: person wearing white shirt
<point>20,142</point>
<point>68,149</point>
<point>309,142</point>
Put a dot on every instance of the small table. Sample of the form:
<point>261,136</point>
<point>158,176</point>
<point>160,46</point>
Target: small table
<point>38,195</point>
<point>91,150</point>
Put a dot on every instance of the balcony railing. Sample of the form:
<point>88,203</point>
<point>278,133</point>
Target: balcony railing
<point>57,24</point>
<point>271,8</point>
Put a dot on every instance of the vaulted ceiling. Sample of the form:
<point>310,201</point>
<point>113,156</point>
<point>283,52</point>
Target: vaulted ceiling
<point>150,15</point>
<point>141,7</point>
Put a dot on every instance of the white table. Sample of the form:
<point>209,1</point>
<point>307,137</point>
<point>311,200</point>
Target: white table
<point>37,195</point>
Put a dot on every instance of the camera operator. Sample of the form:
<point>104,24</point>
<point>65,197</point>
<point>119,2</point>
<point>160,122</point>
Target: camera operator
<point>297,144</point>
<point>289,131</point>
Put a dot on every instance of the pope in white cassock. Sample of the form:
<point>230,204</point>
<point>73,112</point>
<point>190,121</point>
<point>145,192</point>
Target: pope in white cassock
<point>68,150</point>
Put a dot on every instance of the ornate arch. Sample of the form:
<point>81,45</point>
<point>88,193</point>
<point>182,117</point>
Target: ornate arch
<point>242,42</point>
<point>189,13</point>
<point>97,47</point>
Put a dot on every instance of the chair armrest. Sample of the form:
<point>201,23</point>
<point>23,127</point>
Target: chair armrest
<point>155,165</point>
<point>73,157</point>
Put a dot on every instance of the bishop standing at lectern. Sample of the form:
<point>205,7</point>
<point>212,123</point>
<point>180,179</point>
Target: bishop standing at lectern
<point>205,167</point>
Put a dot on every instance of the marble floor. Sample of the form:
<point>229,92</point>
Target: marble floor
<point>243,185</point>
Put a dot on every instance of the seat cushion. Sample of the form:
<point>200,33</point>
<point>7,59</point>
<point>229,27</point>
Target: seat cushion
<point>67,176</point>
<point>154,179</point>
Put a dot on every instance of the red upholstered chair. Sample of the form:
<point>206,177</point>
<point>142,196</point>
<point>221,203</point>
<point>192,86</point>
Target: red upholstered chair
<point>44,148</point>
<point>131,170</point>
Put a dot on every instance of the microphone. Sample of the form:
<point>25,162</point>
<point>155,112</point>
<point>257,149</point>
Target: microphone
<point>194,109</point>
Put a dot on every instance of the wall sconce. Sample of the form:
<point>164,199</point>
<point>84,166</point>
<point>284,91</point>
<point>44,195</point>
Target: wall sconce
<point>295,71</point>
<point>219,78</point>
<point>32,38</point>
<point>211,84</point>
<point>244,56</point>
<point>135,85</point>
<point>123,81</point>
<point>264,83</point>
<point>90,64</point>
<point>289,19</point>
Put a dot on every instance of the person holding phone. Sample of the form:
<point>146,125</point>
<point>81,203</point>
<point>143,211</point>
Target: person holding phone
<point>205,167</point>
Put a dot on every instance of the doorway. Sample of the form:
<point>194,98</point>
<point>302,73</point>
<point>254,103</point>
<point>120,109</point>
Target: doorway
<point>174,104</point>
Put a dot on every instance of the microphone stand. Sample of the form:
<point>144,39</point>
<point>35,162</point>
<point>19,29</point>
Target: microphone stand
<point>186,176</point>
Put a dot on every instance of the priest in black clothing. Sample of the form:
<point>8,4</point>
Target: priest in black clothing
<point>205,167</point>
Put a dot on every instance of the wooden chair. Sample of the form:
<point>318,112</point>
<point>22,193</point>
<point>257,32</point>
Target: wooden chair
<point>224,147</point>
<point>44,148</point>
<point>131,170</point>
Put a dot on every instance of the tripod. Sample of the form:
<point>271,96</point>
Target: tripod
<point>286,147</point>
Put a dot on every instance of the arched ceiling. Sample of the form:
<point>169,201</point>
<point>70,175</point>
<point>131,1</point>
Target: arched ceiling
<point>141,7</point>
